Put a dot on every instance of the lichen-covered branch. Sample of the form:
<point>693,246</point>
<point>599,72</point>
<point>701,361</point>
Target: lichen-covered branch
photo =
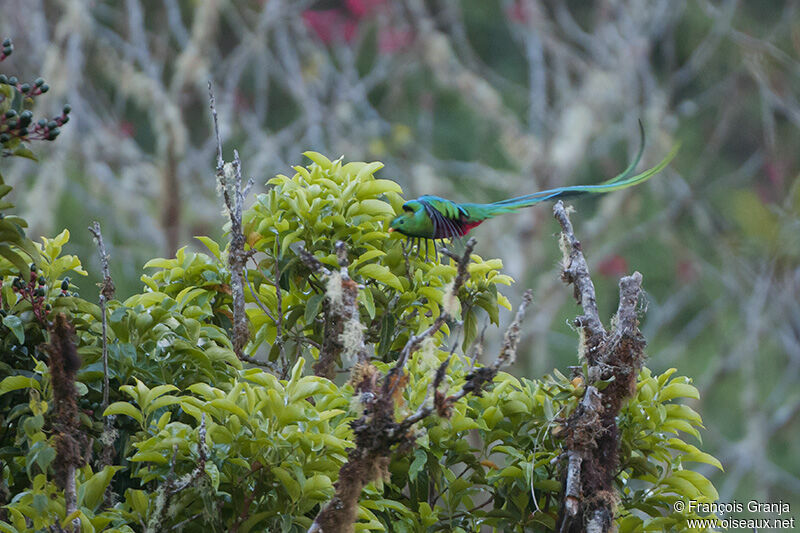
<point>614,359</point>
<point>107,290</point>
<point>479,377</point>
<point>106,293</point>
<point>576,271</point>
<point>173,486</point>
<point>343,336</point>
<point>229,177</point>
<point>376,432</point>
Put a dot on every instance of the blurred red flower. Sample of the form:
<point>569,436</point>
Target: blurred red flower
<point>613,266</point>
<point>362,8</point>
<point>330,25</point>
<point>391,40</point>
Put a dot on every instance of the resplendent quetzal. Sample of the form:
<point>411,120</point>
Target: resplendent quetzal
<point>432,217</point>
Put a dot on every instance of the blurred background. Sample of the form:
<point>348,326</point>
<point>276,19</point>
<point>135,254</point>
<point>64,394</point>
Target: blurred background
<point>474,100</point>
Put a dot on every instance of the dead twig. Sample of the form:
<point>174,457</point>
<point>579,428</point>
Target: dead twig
<point>107,290</point>
<point>590,433</point>
<point>229,177</point>
<point>106,293</point>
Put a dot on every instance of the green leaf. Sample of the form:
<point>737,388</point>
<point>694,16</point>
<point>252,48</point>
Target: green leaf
<point>40,454</point>
<point>124,408</point>
<point>702,457</point>
<point>692,453</point>
<point>319,159</point>
<point>15,259</point>
<point>374,188</point>
<point>160,402</point>
<point>420,459</point>
<point>382,274</point>
<point>470,329</point>
<point>8,528</point>
<point>703,485</point>
<point>92,491</point>
<point>155,392</point>
<point>313,306</point>
<point>14,323</point>
<point>678,390</point>
<point>212,246</point>
<point>149,457</point>
<point>213,474</point>
<point>372,207</point>
<point>365,297</point>
<point>12,383</point>
<point>24,151</point>
<point>287,481</point>
<point>367,256</point>
<point>307,386</point>
<point>317,487</point>
<point>228,405</point>
<point>368,170</point>
<point>253,520</point>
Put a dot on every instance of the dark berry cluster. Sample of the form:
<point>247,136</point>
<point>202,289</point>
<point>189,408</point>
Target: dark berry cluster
<point>17,123</point>
<point>35,292</point>
<point>27,89</point>
<point>6,49</point>
<point>20,125</point>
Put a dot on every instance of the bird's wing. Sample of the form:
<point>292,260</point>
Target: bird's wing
<point>446,215</point>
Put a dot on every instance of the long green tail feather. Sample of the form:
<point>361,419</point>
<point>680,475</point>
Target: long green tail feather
<point>628,171</point>
<point>616,183</point>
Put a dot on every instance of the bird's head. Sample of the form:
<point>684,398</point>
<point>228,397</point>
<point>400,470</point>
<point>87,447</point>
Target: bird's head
<point>411,221</point>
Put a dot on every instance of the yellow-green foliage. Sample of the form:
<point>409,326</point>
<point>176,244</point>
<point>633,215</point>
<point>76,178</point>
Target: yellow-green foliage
<point>275,446</point>
<point>330,201</point>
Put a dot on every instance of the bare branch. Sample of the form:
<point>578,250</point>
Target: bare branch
<point>576,271</point>
<point>590,433</point>
<point>213,105</point>
<point>106,293</point>
<point>233,193</point>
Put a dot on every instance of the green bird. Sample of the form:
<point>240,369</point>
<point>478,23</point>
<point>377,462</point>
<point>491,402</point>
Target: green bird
<point>433,218</point>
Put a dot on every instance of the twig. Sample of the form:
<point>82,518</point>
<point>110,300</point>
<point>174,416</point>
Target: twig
<point>573,489</point>
<point>106,293</point>
<point>590,433</point>
<point>576,271</point>
<point>229,177</point>
<point>480,377</point>
<point>279,315</point>
<point>256,298</point>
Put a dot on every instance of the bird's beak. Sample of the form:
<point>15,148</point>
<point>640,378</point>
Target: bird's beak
<point>391,230</point>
